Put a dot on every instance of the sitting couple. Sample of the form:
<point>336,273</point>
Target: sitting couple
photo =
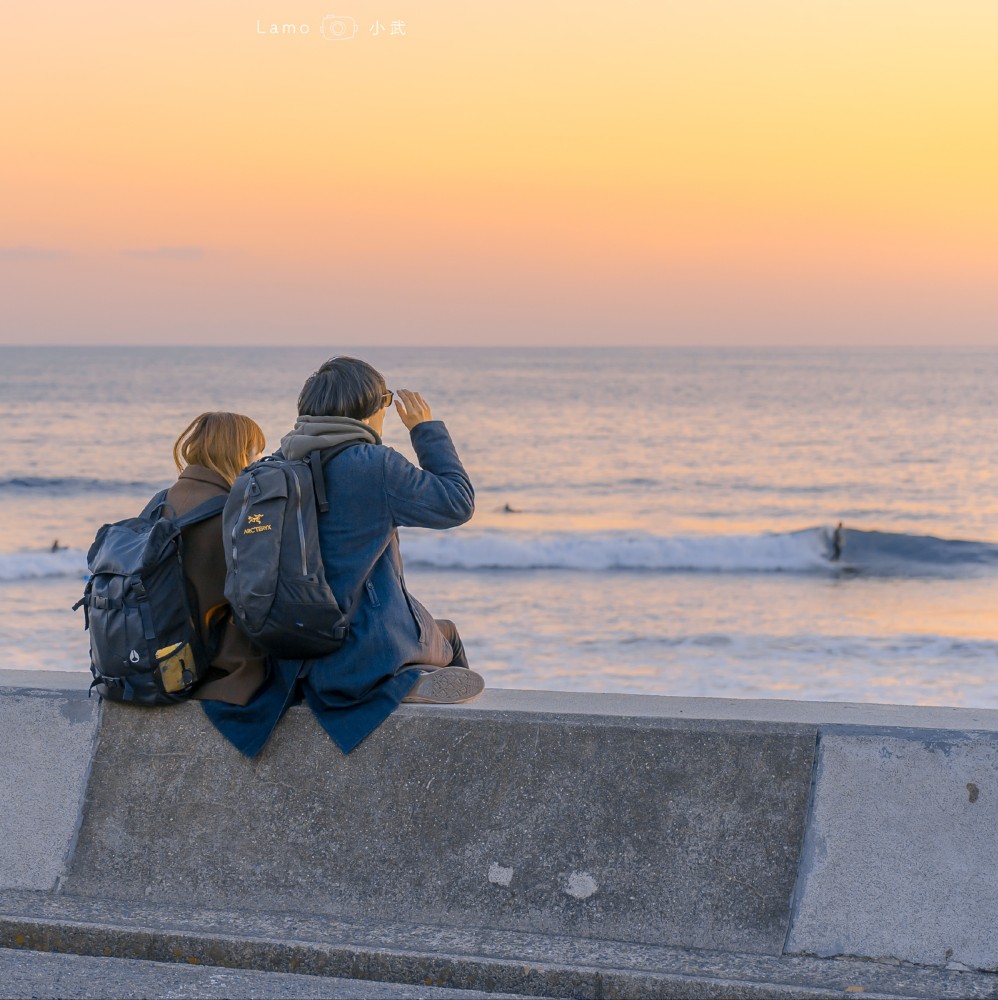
<point>395,650</point>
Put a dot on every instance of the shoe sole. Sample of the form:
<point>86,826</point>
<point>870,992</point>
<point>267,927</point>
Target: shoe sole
<point>446,686</point>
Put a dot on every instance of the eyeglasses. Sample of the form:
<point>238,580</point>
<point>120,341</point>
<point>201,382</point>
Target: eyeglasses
<point>386,399</point>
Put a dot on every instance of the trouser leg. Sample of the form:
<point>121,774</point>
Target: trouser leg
<point>450,632</point>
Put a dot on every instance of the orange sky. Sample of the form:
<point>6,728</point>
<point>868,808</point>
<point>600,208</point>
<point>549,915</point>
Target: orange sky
<point>783,171</point>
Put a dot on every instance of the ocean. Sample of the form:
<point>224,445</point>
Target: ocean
<point>657,521</point>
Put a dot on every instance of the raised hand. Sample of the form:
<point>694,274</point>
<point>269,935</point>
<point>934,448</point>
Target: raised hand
<point>411,408</point>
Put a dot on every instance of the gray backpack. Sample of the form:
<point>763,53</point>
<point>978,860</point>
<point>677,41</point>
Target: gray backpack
<point>275,580</point>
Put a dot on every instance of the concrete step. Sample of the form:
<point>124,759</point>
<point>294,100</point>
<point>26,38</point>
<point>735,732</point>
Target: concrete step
<point>427,956</point>
<point>32,975</point>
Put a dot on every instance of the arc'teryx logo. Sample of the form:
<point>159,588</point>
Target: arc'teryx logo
<point>256,521</point>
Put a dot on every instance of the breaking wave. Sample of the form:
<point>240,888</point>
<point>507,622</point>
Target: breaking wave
<point>36,565</point>
<point>811,551</point>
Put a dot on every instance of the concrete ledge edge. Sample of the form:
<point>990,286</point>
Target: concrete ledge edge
<point>634,706</point>
<point>535,974</point>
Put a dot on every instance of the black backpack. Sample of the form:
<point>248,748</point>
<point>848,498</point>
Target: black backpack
<point>145,645</point>
<point>275,580</point>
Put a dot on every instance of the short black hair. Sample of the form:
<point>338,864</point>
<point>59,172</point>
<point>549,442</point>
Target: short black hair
<point>342,387</point>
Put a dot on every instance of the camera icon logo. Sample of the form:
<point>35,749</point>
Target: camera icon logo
<point>338,29</point>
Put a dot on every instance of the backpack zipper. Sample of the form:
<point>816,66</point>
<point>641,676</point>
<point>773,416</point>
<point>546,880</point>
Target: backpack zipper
<point>235,535</point>
<point>242,519</point>
<point>301,528</point>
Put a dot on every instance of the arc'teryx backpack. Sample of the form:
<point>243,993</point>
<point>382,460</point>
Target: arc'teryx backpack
<point>275,580</point>
<point>145,645</point>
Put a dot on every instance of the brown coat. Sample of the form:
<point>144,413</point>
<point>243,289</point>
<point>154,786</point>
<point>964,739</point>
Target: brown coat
<point>238,667</point>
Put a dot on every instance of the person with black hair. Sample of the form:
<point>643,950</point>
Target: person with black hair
<point>395,650</point>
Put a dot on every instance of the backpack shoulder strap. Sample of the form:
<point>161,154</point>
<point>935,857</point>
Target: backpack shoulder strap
<point>204,510</point>
<point>155,506</point>
<point>328,454</point>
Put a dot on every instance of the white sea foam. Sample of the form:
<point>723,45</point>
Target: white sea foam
<point>36,565</point>
<point>806,551</point>
<point>801,551</point>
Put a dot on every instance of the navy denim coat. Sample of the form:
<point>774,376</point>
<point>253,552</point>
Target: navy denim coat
<point>372,491</point>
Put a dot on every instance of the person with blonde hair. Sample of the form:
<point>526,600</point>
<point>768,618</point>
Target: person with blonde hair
<point>212,450</point>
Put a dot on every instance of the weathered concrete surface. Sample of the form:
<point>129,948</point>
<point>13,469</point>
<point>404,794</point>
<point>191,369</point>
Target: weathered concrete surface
<point>530,842</point>
<point>649,830</point>
<point>40,976</point>
<point>901,857</point>
<point>455,957</point>
<point>46,744</point>
<point>44,680</point>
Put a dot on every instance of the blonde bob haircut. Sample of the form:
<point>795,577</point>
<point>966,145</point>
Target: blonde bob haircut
<point>222,442</point>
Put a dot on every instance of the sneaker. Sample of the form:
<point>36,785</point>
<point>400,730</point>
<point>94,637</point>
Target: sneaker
<point>446,686</point>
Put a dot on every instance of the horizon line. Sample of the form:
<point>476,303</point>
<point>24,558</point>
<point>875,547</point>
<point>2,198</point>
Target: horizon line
<point>868,346</point>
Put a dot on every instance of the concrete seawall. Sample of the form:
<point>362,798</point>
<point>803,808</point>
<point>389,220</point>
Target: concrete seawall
<point>544,843</point>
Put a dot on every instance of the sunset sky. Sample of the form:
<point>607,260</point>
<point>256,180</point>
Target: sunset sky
<point>708,172</point>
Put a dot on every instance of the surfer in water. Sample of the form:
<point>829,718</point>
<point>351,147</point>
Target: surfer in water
<point>835,544</point>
